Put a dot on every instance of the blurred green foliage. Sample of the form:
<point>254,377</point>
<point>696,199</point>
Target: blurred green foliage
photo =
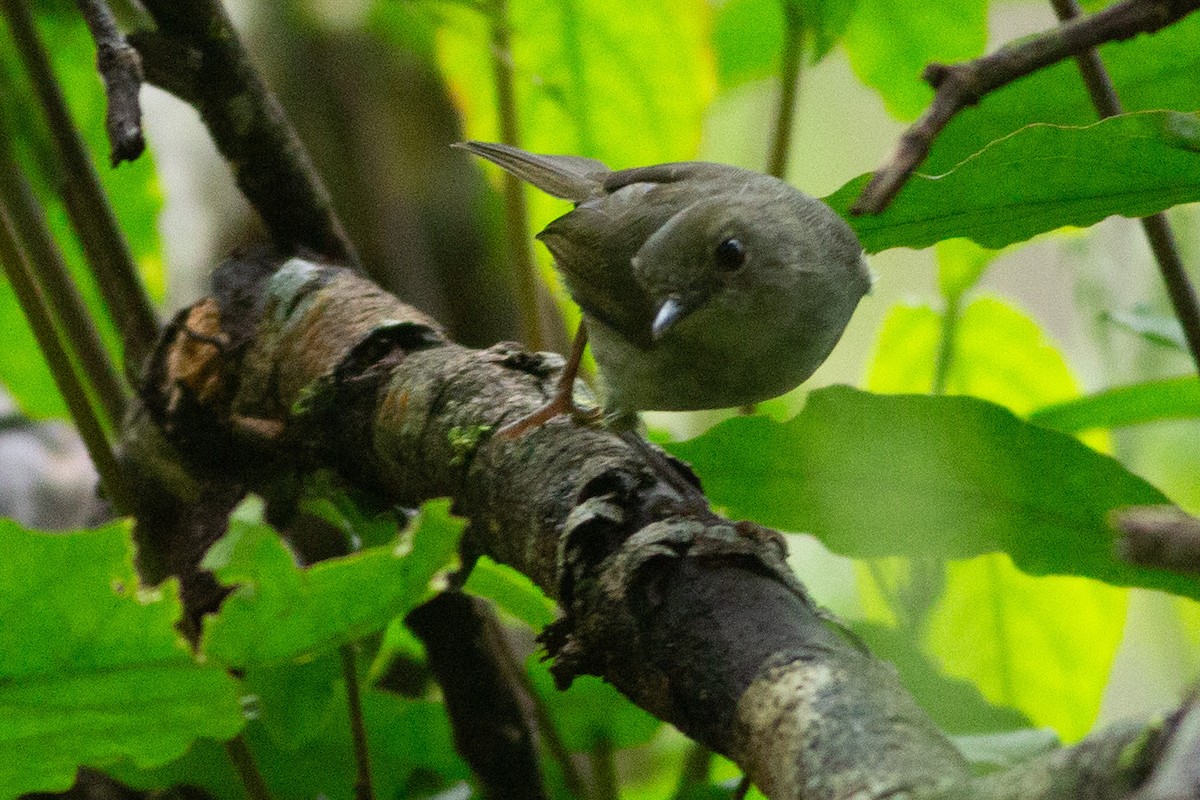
<point>978,526</point>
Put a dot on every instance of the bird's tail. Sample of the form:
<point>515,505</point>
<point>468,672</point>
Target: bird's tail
<point>569,177</point>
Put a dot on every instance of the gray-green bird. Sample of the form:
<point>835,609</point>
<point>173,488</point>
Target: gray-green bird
<point>702,285</point>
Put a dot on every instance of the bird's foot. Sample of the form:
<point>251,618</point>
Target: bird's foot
<point>558,405</point>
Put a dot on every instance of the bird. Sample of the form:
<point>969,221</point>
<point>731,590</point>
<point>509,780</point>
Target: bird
<point>702,285</point>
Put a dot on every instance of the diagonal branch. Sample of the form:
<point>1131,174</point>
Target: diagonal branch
<point>120,67</point>
<point>696,618</point>
<point>960,85</point>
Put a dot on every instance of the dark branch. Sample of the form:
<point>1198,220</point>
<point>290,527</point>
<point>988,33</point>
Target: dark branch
<point>1159,536</point>
<point>197,55</point>
<point>960,85</point>
<point>120,67</point>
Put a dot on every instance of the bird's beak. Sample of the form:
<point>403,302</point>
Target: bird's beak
<point>670,312</point>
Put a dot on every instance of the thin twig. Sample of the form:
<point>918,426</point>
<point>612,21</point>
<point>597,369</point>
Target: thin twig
<point>516,209</point>
<point>247,768</point>
<point>17,268</point>
<point>789,79</point>
<point>1164,536</point>
<point>363,789</point>
<point>247,124</point>
<point>960,85</point>
<point>120,67</point>
<point>29,224</point>
<point>104,246</point>
<point>1157,228</point>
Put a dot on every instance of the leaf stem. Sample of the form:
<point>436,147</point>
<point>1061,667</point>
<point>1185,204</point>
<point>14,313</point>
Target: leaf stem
<point>17,268</point>
<point>789,80</point>
<point>247,768</point>
<point>516,209</point>
<point>604,769</point>
<point>1156,227</point>
<point>697,762</point>
<point>363,790</point>
<point>104,247</point>
<point>58,289</point>
<point>945,353</point>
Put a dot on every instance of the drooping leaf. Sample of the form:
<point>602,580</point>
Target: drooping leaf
<point>132,189</point>
<point>891,41</point>
<point>954,704</point>
<point>1041,178</point>
<point>943,477</point>
<point>92,670</point>
<point>1044,645</point>
<point>512,591</point>
<point>591,711</point>
<point>1154,328</point>
<point>1172,398</point>
<point>279,611</point>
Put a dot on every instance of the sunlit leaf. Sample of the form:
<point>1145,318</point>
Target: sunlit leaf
<point>1041,178</point>
<point>1044,645</point>
<point>512,591</point>
<point>280,611</point>
<point>891,41</point>
<point>961,263</point>
<point>92,670</point>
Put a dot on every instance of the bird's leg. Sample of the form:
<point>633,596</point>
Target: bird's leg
<point>563,400</point>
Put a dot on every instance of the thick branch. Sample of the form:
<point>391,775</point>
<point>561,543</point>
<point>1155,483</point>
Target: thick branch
<point>120,67</point>
<point>962,85</point>
<point>695,618</point>
<point>197,54</point>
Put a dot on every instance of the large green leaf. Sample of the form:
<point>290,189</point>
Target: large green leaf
<point>1149,73</point>
<point>92,669</point>
<point>1041,178</point>
<point>591,711</point>
<point>942,477</point>
<point>279,611</point>
<point>133,191</point>
<point>1172,398</point>
<point>891,41</point>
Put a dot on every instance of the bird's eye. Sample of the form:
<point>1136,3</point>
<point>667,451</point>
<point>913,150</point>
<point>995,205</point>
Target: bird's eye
<point>730,254</point>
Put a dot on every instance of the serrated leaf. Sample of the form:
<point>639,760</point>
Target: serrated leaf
<point>1150,401</point>
<point>891,41</point>
<point>279,611</point>
<point>1040,178</point>
<point>943,477</point>
<point>92,670</point>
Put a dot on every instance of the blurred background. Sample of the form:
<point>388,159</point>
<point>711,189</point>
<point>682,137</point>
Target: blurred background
<point>379,89</point>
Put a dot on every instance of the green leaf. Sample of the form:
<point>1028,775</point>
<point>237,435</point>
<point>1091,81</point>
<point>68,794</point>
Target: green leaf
<point>279,611</point>
<point>92,669</point>
<point>1149,72</point>
<point>748,35</point>
<point>1043,645</point>
<point>591,711</point>
<point>943,477</point>
<point>133,191</point>
<point>512,591</point>
<point>1172,398</point>
<point>954,704</point>
<point>891,41</point>
<point>410,742</point>
<point>1041,178</point>
<point>1154,328</point>
<point>961,263</point>
<point>990,752</point>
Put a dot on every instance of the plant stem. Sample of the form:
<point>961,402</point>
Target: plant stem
<point>945,353</point>
<point>104,247</point>
<point>50,272</point>
<point>789,80</point>
<point>604,769</point>
<point>363,789</point>
<point>247,769</point>
<point>516,210</point>
<point>1156,227</point>
<point>697,761</point>
<point>37,313</point>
